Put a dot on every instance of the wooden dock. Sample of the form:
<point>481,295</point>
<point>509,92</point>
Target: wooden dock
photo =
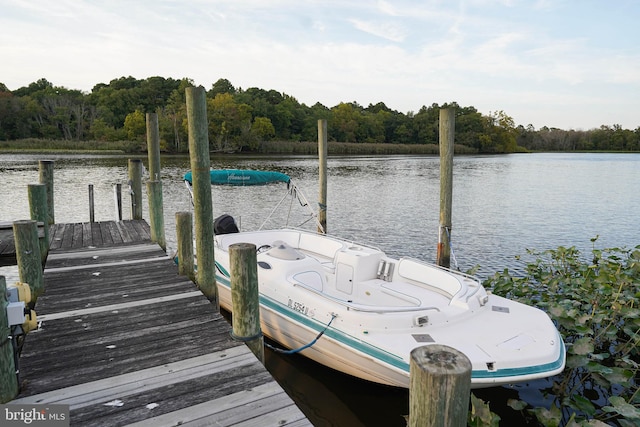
<point>125,340</point>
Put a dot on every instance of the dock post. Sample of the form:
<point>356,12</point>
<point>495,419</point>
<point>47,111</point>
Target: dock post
<point>447,131</point>
<point>153,146</point>
<point>25,234</point>
<point>92,212</point>
<point>322,157</point>
<point>184,233</point>
<point>156,213</point>
<point>245,297</point>
<point>135,185</point>
<point>46,178</point>
<point>439,387</point>
<point>38,211</point>
<point>117,189</point>
<point>200,165</point>
<point>8,377</point>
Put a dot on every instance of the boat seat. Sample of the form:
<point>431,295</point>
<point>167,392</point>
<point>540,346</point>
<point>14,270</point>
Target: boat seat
<point>425,274</point>
<point>321,245</point>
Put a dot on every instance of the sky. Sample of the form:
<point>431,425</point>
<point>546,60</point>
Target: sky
<point>570,64</point>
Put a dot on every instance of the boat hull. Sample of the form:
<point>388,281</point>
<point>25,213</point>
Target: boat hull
<point>374,342</point>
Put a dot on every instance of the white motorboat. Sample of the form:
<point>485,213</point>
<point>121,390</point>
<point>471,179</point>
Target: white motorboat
<point>371,310</point>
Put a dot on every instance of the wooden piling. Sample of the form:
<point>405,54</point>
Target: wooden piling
<point>184,233</point>
<point>135,184</point>
<point>92,211</point>
<point>447,131</point>
<point>8,377</point>
<point>245,297</point>
<point>322,157</point>
<point>25,234</point>
<point>117,189</point>
<point>439,387</point>
<point>156,213</point>
<point>153,146</point>
<point>38,212</point>
<point>200,166</point>
<point>46,178</point>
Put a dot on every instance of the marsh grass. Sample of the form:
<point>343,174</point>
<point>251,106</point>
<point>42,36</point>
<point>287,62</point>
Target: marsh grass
<point>34,145</point>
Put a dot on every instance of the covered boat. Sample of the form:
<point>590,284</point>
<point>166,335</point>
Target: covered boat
<point>242,177</point>
<point>371,310</point>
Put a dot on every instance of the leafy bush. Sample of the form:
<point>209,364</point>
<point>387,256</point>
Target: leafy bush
<point>596,306</point>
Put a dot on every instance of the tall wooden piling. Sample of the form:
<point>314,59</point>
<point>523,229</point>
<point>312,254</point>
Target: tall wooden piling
<point>200,166</point>
<point>38,212</point>
<point>46,178</point>
<point>322,157</point>
<point>153,146</point>
<point>8,377</point>
<point>439,387</point>
<point>92,209</point>
<point>184,234</point>
<point>117,190</point>
<point>156,213</point>
<point>447,131</point>
<point>245,297</point>
<point>135,185</point>
<point>25,234</point>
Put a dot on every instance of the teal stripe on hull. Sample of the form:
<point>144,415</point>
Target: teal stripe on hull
<point>384,356</point>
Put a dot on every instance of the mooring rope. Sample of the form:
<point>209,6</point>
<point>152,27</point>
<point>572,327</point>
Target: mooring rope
<point>453,254</point>
<point>299,349</point>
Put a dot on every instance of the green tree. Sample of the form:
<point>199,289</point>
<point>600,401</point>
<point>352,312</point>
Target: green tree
<point>426,124</point>
<point>469,124</point>
<point>263,128</point>
<point>499,134</point>
<point>172,119</point>
<point>221,86</point>
<point>345,122</point>
<point>135,125</point>
<point>228,122</point>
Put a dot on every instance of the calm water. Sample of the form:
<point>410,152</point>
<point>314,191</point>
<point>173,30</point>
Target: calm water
<point>502,206</point>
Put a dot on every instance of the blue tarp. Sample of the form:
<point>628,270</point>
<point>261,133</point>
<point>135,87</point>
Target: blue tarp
<point>242,177</point>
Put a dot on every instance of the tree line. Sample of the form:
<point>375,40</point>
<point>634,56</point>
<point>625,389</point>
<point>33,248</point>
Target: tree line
<point>255,119</point>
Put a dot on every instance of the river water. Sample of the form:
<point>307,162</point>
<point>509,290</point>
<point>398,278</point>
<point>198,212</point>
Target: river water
<point>502,206</point>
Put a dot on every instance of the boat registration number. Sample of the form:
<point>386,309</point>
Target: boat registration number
<point>298,306</point>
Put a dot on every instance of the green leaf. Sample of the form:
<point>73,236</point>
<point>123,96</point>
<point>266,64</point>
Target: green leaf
<point>583,345</point>
<point>548,418</point>
<point>574,361</point>
<point>480,414</point>
<point>516,404</point>
<point>620,406</point>
<point>583,404</point>
<point>620,376</point>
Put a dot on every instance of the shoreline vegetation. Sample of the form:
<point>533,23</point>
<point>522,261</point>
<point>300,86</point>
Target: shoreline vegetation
<point>272,147</point>
<point>270,122</point>
<point>47,146</point>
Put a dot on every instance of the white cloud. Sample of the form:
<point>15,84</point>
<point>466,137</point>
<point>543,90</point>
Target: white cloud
<point>513,56</point>
<point>386,30</point>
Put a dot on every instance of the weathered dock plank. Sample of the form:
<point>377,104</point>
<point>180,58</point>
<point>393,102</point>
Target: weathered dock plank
<point>124,339</point>
<point>97,234</point>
